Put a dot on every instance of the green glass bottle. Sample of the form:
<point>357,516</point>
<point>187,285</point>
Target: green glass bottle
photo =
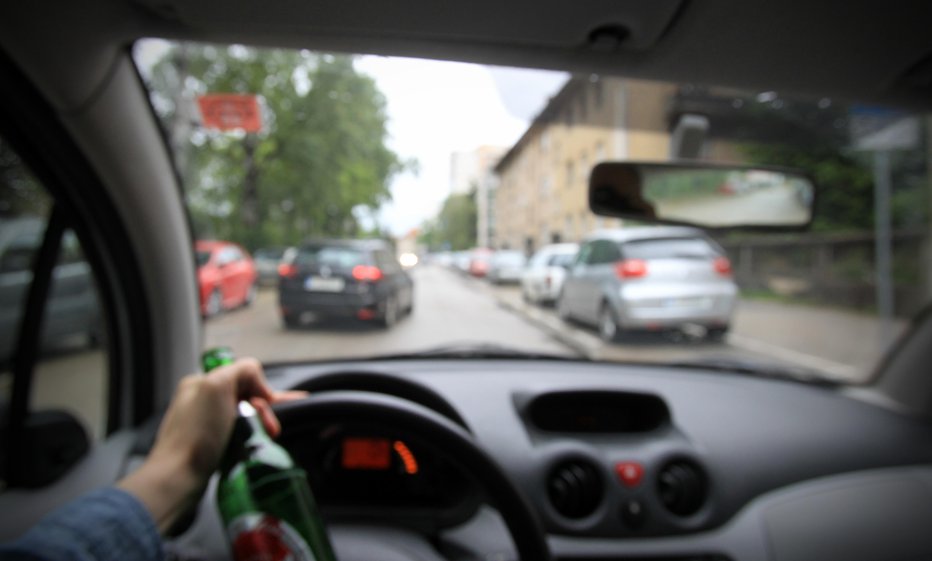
<point>264,499</point>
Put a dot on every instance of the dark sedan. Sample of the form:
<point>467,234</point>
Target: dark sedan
<point>358,279</point>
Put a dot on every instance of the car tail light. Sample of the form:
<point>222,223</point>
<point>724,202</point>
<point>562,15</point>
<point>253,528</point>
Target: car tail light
<point>722,266</point>
<point>287,270</point>
<point>631,268</point>
<point>367,273</point>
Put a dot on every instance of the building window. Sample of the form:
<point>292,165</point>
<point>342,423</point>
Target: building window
<point>570,177</point>
<point>599,152</point>
<point>584,168</point>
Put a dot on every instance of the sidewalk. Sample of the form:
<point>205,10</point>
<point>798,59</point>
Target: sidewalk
<point>841,344</point>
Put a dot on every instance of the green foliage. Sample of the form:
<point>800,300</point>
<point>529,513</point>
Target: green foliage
<point>20,193</point>
<point>321,154</point>
<point>455,226</point>
<point>845,184</point>
<point>815,137</point>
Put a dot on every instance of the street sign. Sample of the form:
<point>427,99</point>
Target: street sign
<point>228,112</point>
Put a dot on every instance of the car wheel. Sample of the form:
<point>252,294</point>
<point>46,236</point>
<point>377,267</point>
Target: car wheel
<point>251,294</point>
<point>410,309</point>
<point>290,321</point>
<point>214,303</point>
<point>563,308</point>
<point>608,325</point>
<point>390,315</point>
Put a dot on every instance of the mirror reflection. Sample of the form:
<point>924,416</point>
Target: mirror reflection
<point>710,197</point>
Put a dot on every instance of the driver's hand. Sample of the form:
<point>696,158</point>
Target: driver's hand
<point>194,434</point>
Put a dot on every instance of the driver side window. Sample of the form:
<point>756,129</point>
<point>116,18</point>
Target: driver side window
<point>70,371</point>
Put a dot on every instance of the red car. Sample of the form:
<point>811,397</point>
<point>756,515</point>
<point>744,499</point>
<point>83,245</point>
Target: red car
<point>479,262</point>
<point>226,276</point>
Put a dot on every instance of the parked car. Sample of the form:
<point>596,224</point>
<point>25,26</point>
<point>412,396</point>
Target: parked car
<point>226,276</point>
<point>506,266</point>
<point>479,261</point>
<point>542,280</point>
<point>359,279</point>
<point>267,260</point>
<point>650,278</point>
<point>461,261</point>
<point>73,308</point>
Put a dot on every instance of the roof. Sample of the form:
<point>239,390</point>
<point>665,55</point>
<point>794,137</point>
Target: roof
<point>644,233</point>
<point>548,114</point>
<point>357,244</point>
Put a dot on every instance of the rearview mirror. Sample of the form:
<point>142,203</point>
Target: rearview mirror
<point>706,195</point>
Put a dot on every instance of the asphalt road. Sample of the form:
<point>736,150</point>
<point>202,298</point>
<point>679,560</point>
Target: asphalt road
<point>448,309</point>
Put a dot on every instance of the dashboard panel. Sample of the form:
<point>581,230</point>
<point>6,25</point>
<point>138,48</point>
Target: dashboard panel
<point>704,444</point>
<point>626,461</point>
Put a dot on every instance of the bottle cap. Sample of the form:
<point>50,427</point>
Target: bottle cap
<point>246,409</point>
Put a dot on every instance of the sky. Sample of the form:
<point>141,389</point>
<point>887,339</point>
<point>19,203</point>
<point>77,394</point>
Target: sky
<point>437,108</point>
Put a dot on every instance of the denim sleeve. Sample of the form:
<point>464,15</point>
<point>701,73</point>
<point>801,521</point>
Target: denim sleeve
<point>106,525</point>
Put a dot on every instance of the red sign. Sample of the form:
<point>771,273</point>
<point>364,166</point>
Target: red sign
<point>230,112</point>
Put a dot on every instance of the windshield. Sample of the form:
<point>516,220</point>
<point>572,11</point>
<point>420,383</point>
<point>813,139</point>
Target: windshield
<point>671,248</point>
<point>459,167</point>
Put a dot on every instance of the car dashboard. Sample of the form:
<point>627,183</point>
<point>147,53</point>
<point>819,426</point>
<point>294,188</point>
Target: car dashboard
<point>619,462</point>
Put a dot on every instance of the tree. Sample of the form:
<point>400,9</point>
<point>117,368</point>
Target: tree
<point>322,152</point>
<point>455,225</point>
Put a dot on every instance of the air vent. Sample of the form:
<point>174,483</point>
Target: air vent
<point>682,487</point>
<point>575,488</point>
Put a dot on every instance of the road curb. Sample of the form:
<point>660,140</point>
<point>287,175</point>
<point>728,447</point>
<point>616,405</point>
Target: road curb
<point>553,326</point>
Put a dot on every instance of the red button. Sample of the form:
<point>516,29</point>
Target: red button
<point>630,473</point>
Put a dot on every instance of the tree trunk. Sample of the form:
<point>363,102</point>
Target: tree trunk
<point>249,206</point>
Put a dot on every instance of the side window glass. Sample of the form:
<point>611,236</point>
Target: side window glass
<point>612,253</point>
<point>71,373</point>
<point>599,254</point>
<point>584,255</point>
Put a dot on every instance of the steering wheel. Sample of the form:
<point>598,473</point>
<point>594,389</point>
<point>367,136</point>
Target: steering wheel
<point>448,437</point>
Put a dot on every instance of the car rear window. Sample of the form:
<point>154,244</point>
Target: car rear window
<point>669,248</point>
<point>562,259</point>
<point>331,256</point>
<point>510,258</point>
<point>269,253</point>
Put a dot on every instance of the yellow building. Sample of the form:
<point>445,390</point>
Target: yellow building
<point>541,194</point>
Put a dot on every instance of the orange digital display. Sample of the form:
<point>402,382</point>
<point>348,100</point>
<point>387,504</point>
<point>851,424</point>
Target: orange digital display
<point>366,453</point>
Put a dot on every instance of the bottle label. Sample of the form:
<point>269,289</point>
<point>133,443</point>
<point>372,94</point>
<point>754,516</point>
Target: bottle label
<point>260,537</point>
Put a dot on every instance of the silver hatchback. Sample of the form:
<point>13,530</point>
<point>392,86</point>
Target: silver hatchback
<point>651,279</point>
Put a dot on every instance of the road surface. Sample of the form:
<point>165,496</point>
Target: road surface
<point>448,309</point>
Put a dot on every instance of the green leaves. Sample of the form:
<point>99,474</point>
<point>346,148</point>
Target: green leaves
<point>321,154</point>
<point>455,227</point>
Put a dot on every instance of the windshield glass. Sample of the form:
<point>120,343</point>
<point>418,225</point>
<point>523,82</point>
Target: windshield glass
<point>330,256</point>
<point>671,248</point>
<point>203,257</point>
<point>449,163</point>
